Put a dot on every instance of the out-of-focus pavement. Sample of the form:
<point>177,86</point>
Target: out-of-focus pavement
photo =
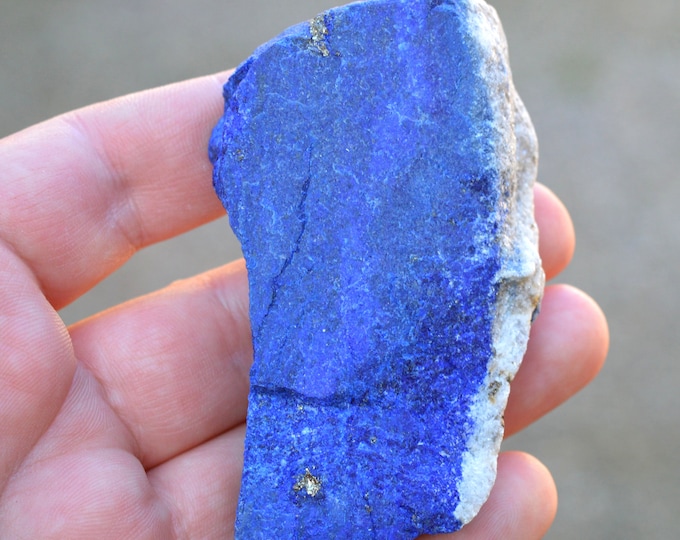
<point>601,79</point>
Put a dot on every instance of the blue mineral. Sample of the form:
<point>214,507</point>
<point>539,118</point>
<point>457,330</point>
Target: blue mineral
<point>377,167</point>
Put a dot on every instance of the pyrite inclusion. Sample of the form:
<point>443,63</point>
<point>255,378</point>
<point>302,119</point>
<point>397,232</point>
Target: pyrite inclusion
<point>377,166</point>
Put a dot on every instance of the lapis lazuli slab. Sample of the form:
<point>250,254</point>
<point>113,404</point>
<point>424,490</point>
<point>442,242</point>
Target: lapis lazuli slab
<point>377,167</point>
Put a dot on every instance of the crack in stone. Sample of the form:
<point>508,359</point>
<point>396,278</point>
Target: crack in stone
<point>301,212</point>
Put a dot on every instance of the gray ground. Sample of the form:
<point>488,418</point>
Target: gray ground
<point>601,79</point>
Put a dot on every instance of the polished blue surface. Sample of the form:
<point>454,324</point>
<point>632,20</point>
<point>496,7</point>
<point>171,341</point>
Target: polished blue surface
<point>356,161</point>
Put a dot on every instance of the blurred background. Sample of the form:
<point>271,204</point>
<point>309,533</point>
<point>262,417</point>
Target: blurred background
<point>601,79</point>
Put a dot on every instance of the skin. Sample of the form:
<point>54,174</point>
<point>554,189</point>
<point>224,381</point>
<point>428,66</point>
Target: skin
<point>130,424</point>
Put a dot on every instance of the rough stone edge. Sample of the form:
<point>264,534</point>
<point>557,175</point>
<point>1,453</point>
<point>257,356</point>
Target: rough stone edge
<point>520,278</point>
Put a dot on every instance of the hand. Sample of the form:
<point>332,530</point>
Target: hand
<point>130,424</point>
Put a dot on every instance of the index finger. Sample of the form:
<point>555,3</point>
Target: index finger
<point>80,193</point>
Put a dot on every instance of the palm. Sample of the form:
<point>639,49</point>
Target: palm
<point>130,424</point>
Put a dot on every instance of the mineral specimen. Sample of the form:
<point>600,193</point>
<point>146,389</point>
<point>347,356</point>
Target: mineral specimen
<point>377,167</point>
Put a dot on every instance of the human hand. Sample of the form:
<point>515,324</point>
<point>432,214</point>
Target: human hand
<point>130,424</point>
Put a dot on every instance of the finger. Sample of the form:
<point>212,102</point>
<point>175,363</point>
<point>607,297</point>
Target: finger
<point>567,347</point>
<point>79,194</point>
<point>174,365</point>
<point>202,485</point>
<point>82,192</point>
<point>36,363</point>
<point>522,504</point>
<point>556,231</point>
